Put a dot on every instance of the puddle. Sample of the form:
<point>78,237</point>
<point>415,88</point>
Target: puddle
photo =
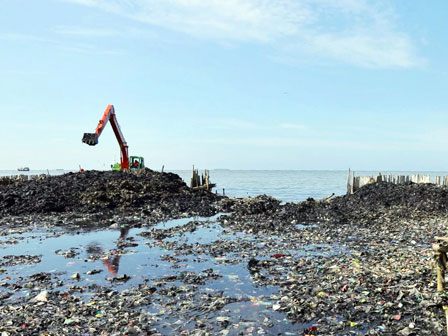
<point>248,318</point>
<point>203,235</point>
<point>183,221</point>
<point>122,259</point>
<point>308,226</point>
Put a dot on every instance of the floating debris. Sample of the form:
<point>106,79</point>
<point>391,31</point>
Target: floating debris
<point>11,260</point>
<point>70,253</point>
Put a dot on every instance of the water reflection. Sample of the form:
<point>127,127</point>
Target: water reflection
<point>112,262</point>
<point>94,249</point>
<point>112,259</point>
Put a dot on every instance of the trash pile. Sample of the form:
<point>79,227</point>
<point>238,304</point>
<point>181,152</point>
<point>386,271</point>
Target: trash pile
<point>380,201</point>
<point>315,280</point>
<point>382,284</point>
<point>107,191</point>
<point>398,201</point>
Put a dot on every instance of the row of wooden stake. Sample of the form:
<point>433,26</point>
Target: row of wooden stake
<point>201,181</point>
<point>356,182</point>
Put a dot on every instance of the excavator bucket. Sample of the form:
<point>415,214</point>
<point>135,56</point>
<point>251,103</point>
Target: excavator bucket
<point>90,138</point>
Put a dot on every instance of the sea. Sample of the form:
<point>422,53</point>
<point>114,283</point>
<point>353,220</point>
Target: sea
<point>285,185</point>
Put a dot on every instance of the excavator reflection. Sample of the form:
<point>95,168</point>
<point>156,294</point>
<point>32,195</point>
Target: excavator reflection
<point>112,261</point>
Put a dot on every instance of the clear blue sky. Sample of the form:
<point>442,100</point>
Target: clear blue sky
<point>249,84</point>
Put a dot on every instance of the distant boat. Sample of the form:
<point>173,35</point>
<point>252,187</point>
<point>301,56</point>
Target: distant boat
<point>23,169</point>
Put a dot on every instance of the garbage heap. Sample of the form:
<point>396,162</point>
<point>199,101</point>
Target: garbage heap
<point>389,202</point>
<point>380,202</point>
<point>106,191</point>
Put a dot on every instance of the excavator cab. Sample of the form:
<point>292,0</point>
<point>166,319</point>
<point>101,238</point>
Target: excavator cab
<point>136,162</point>
<point>116,166</point>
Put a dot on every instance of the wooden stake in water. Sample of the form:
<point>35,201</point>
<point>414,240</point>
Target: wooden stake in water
<point>349,188</point>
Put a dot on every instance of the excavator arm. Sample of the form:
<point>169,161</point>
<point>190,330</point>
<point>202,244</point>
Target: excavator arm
<point>92,138</point>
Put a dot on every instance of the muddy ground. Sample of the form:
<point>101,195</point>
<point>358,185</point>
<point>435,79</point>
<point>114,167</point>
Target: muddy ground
<point>353,265</point>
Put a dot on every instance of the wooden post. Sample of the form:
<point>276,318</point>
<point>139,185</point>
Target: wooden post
<point>163,166</point>
<point>442,267</point>
<point>353,183</point>
<point>193,179</point>
<point>440,276</point>
<point>349,188</point>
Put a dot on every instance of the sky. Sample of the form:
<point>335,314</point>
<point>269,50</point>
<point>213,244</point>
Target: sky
<point>236,84</point>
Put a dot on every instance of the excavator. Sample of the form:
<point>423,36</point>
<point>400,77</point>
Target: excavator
<point>126,162</point>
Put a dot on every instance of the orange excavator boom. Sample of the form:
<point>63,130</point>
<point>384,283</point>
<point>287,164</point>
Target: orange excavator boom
<point>92,138</point>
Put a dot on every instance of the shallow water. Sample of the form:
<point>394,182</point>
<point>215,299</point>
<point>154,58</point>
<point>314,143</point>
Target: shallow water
<point>96,250</point>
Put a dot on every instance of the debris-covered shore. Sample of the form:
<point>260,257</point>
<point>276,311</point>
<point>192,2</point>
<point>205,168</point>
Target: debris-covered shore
<point>357,264</point>
<point>146,193</point>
